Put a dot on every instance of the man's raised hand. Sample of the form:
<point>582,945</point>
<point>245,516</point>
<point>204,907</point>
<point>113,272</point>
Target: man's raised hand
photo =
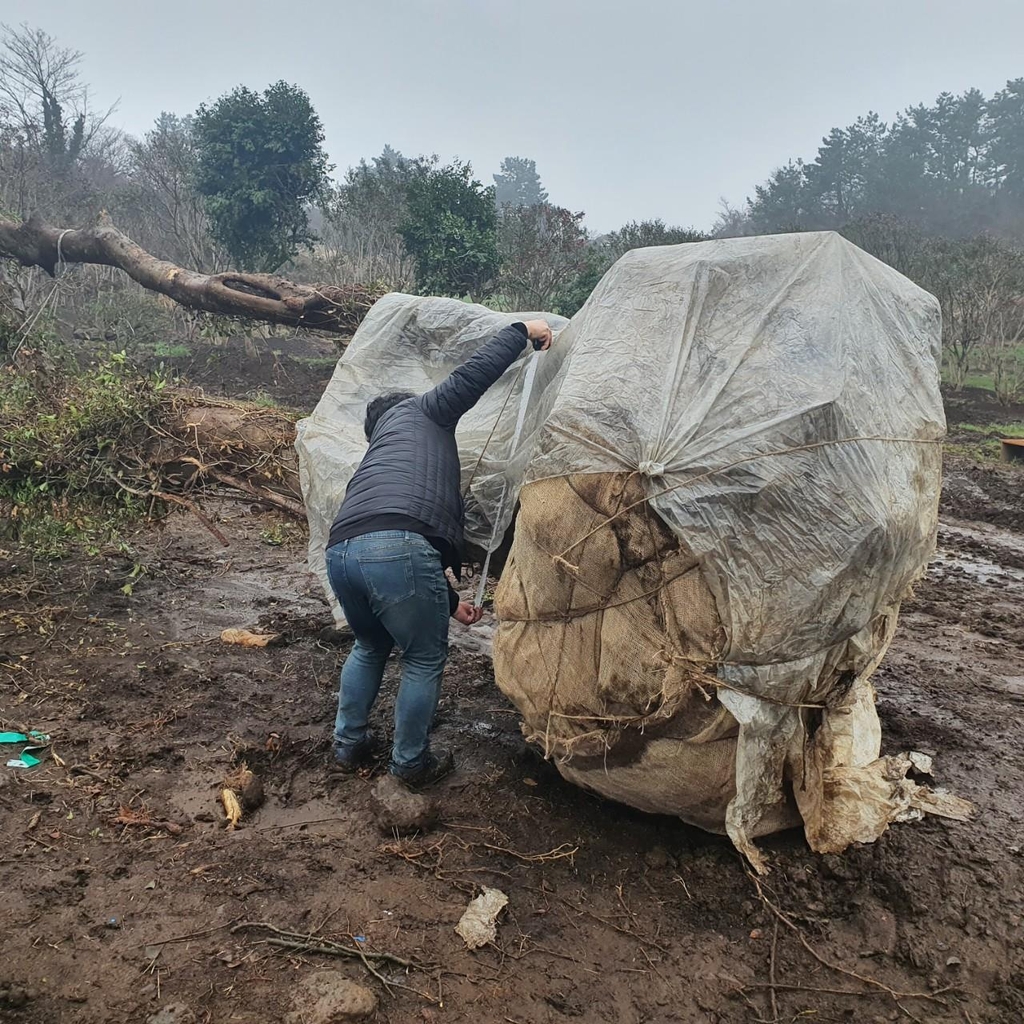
<point>539,331</point>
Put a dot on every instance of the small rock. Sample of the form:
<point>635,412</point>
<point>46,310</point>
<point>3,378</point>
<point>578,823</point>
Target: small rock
<point>328,997</point>
<point>172,1013</point>
<point>247,785</point>
<point>658,859</point>
<point>398,808</point>
<point>252,795</point>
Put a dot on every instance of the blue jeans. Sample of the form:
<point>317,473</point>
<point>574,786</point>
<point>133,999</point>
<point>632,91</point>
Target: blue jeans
<point>392,588</point>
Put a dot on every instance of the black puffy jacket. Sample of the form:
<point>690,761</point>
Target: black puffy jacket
<point>411,468</point>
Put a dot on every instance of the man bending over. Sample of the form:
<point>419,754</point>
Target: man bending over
<point>398,529</point>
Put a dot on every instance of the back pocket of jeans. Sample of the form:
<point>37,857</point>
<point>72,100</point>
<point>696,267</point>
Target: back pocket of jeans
<point>389,578</point>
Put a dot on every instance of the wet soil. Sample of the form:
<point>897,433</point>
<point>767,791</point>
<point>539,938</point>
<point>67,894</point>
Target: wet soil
<point>126,893</point>
<point>287,371</point>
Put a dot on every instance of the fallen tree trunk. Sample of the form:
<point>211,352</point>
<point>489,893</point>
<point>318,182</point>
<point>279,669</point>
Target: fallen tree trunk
<point>266,297</point>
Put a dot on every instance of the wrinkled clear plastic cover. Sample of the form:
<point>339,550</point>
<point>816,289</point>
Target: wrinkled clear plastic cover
<point>779,395</point>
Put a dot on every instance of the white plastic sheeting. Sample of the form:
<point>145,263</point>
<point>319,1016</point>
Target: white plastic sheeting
<point>410,343</point>
<point>781,396</point>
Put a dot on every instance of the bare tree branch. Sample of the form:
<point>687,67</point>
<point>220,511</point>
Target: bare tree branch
<point>266,297</point>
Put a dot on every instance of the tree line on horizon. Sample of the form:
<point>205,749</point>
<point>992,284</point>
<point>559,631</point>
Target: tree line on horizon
<point>244,182</point>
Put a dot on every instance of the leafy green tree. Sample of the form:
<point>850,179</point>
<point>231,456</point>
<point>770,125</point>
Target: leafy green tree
<point>1006,111</point>
<point>518,184</point>
<point>601,253</point>
<point>906,189</point>
<point>376,191</point>
<point>450,230</point>
<point>780,204</point>
<point>572,292</point>
<point>959,136</point>
<point>260,163</point>
<point>955,167</point>
<point>360,236</point>
<point>843,180</point>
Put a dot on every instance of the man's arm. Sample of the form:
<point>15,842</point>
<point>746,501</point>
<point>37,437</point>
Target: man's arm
<point>464,387</point>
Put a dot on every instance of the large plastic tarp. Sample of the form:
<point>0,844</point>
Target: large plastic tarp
<point>411,343</point>
<point>778,400</point>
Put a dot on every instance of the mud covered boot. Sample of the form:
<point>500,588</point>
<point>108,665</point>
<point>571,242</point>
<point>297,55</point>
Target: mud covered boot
<point>435,767</point>
<point>348,762</point>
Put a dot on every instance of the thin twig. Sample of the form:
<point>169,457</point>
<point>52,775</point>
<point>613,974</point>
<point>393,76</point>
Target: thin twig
<point>771,972</point>
<point>322,945</point>
<point>558,853</point>
<point>873,982</point>
<point>279,501</point>
<point>784,987</point>
<point>297,824</point>
<point>373,970</point>
<point>608,924</point>
<point>190,935</point>
<point>397,984</point>
<point>176,500</point>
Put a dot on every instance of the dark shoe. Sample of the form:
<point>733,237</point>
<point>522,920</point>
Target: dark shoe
<point>435,767</point>
<point>350,761</point>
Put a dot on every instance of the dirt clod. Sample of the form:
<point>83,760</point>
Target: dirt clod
<point>248,786</point>
<point>399,809</point>
<point>328,997</point>
<point>14,996</point>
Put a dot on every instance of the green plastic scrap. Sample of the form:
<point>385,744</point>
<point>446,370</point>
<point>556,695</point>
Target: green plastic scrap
<point>27,759</point>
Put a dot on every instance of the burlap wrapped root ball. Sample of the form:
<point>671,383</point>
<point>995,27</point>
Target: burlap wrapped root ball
<point>607,643</point>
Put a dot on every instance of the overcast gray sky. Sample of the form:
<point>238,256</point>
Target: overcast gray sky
<point>632,109</point>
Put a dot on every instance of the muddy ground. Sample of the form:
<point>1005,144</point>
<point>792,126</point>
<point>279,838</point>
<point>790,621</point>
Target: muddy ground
<point>124,893</point>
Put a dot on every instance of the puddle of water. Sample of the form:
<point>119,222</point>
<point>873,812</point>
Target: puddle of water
<point>984,533</point>
<point>981,569</point>
<point>322,815</point>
